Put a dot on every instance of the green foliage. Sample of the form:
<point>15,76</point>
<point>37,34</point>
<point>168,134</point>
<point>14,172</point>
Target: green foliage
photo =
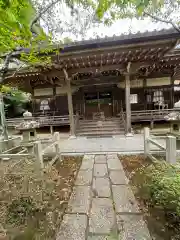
<point>157,10</point>
<point>161,186</point>
<point>20,209</point>
<point>16,101</point>
<point>15,18</point>
<point>16,33</point>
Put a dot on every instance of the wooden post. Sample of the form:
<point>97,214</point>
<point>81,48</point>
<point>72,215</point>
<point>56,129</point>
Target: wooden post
<point>51,129</point>
<point>70,104</point>
<point>3,119</point>
<point>128,104</point>
<point>38,153</point>
<point>56,138</point>
<point>146,142</point>
<point>171,149</point>
<point>152,124</point>
<point>171,127</point>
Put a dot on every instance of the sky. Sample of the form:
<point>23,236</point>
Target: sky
<point>124,26</point>
<point>62,17</point>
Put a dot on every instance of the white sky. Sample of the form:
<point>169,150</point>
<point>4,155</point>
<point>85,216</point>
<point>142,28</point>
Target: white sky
<point>124,26</point>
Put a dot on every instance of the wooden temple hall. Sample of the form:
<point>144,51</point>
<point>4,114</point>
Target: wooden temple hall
<point>104,85</point>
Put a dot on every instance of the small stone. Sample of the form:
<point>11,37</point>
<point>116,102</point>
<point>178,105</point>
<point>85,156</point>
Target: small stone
<point>132,227</point>
<point>84,177</point>
<point>124,199</point>
<point>80,200</point>
<point>118,177</point>
<point>102,187</point>
<point>73,227</point>
<point>102,216</point>
<point>100,170</point>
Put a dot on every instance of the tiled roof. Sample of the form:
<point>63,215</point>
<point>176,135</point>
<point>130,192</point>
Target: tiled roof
<point>131,36</point>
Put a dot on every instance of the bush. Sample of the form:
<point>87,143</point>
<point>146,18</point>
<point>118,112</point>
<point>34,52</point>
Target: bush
<point>161,186</point>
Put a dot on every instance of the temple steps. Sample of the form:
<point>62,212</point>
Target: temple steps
<point>100,128</point>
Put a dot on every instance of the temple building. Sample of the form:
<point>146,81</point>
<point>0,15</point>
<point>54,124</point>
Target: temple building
<point>121,79</point>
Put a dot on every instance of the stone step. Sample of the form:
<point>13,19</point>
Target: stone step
<point>103,133</point>
<point>100,130</point>
<point>99,123</point>
<point>101,126</point>
<point>89,121</point>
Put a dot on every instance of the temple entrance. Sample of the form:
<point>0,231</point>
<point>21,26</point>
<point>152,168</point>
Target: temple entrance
<point>98,102</point>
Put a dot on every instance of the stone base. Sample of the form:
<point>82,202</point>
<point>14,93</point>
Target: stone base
<point>129,135</point>
<point>72,137</point>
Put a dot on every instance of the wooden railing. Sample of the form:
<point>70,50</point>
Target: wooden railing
<point>169,149</point>
<point>21,151</point>
<point>43,120</point>
<point>145,115</point>
<point>148,115</point>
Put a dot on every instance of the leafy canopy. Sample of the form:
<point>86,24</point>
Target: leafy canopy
<point>166,11</point>
<point>16,34</point>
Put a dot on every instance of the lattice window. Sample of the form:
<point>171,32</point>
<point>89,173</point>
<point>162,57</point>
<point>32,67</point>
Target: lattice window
<point>158,96</point>
<point>149,98</point>
<point>133,98</point>
<point>44,105</point>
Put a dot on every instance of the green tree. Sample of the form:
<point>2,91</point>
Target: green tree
<point>15,101</point>
<point>165,11</point>
<point>28,28</point>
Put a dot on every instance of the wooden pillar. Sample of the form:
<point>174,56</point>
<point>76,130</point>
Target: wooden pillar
<point>3,118</point>
<point>128,104</point>
<point>70,104</point>
<point>171,105</point>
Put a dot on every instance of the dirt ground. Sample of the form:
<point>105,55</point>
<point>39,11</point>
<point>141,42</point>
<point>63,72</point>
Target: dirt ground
<point>33,202</point>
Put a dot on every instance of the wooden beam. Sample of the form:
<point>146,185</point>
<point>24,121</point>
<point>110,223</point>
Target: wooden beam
<point>70,103</point>
<point>93,69</point>
<point>112,49</point>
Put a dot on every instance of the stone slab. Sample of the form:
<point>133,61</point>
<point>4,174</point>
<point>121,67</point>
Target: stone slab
<point>84,177</point>
<point>100,238</point>
<point>102,216</point>
<point>73,227</point>
<point>87,163</point>
<point>100,159</point>
<point>132,227</point>
<point>118,177</point>
<point>100,170</point>
<point>101,187</point>
<point>89,157</point>
<point>112,156</point>
<point>114,164</point>
<point>124,199</point>
<point>80,200</point>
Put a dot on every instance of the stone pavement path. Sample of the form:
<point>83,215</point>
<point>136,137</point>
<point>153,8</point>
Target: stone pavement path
<point>102,205</point>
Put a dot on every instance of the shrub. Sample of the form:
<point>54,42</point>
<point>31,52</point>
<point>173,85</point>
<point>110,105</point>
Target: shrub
<point>161,186</point>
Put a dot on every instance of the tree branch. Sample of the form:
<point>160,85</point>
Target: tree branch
<point>41,13</point>
<point>17,70</point>
<point>162,20</point>
<point>4,69</point>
